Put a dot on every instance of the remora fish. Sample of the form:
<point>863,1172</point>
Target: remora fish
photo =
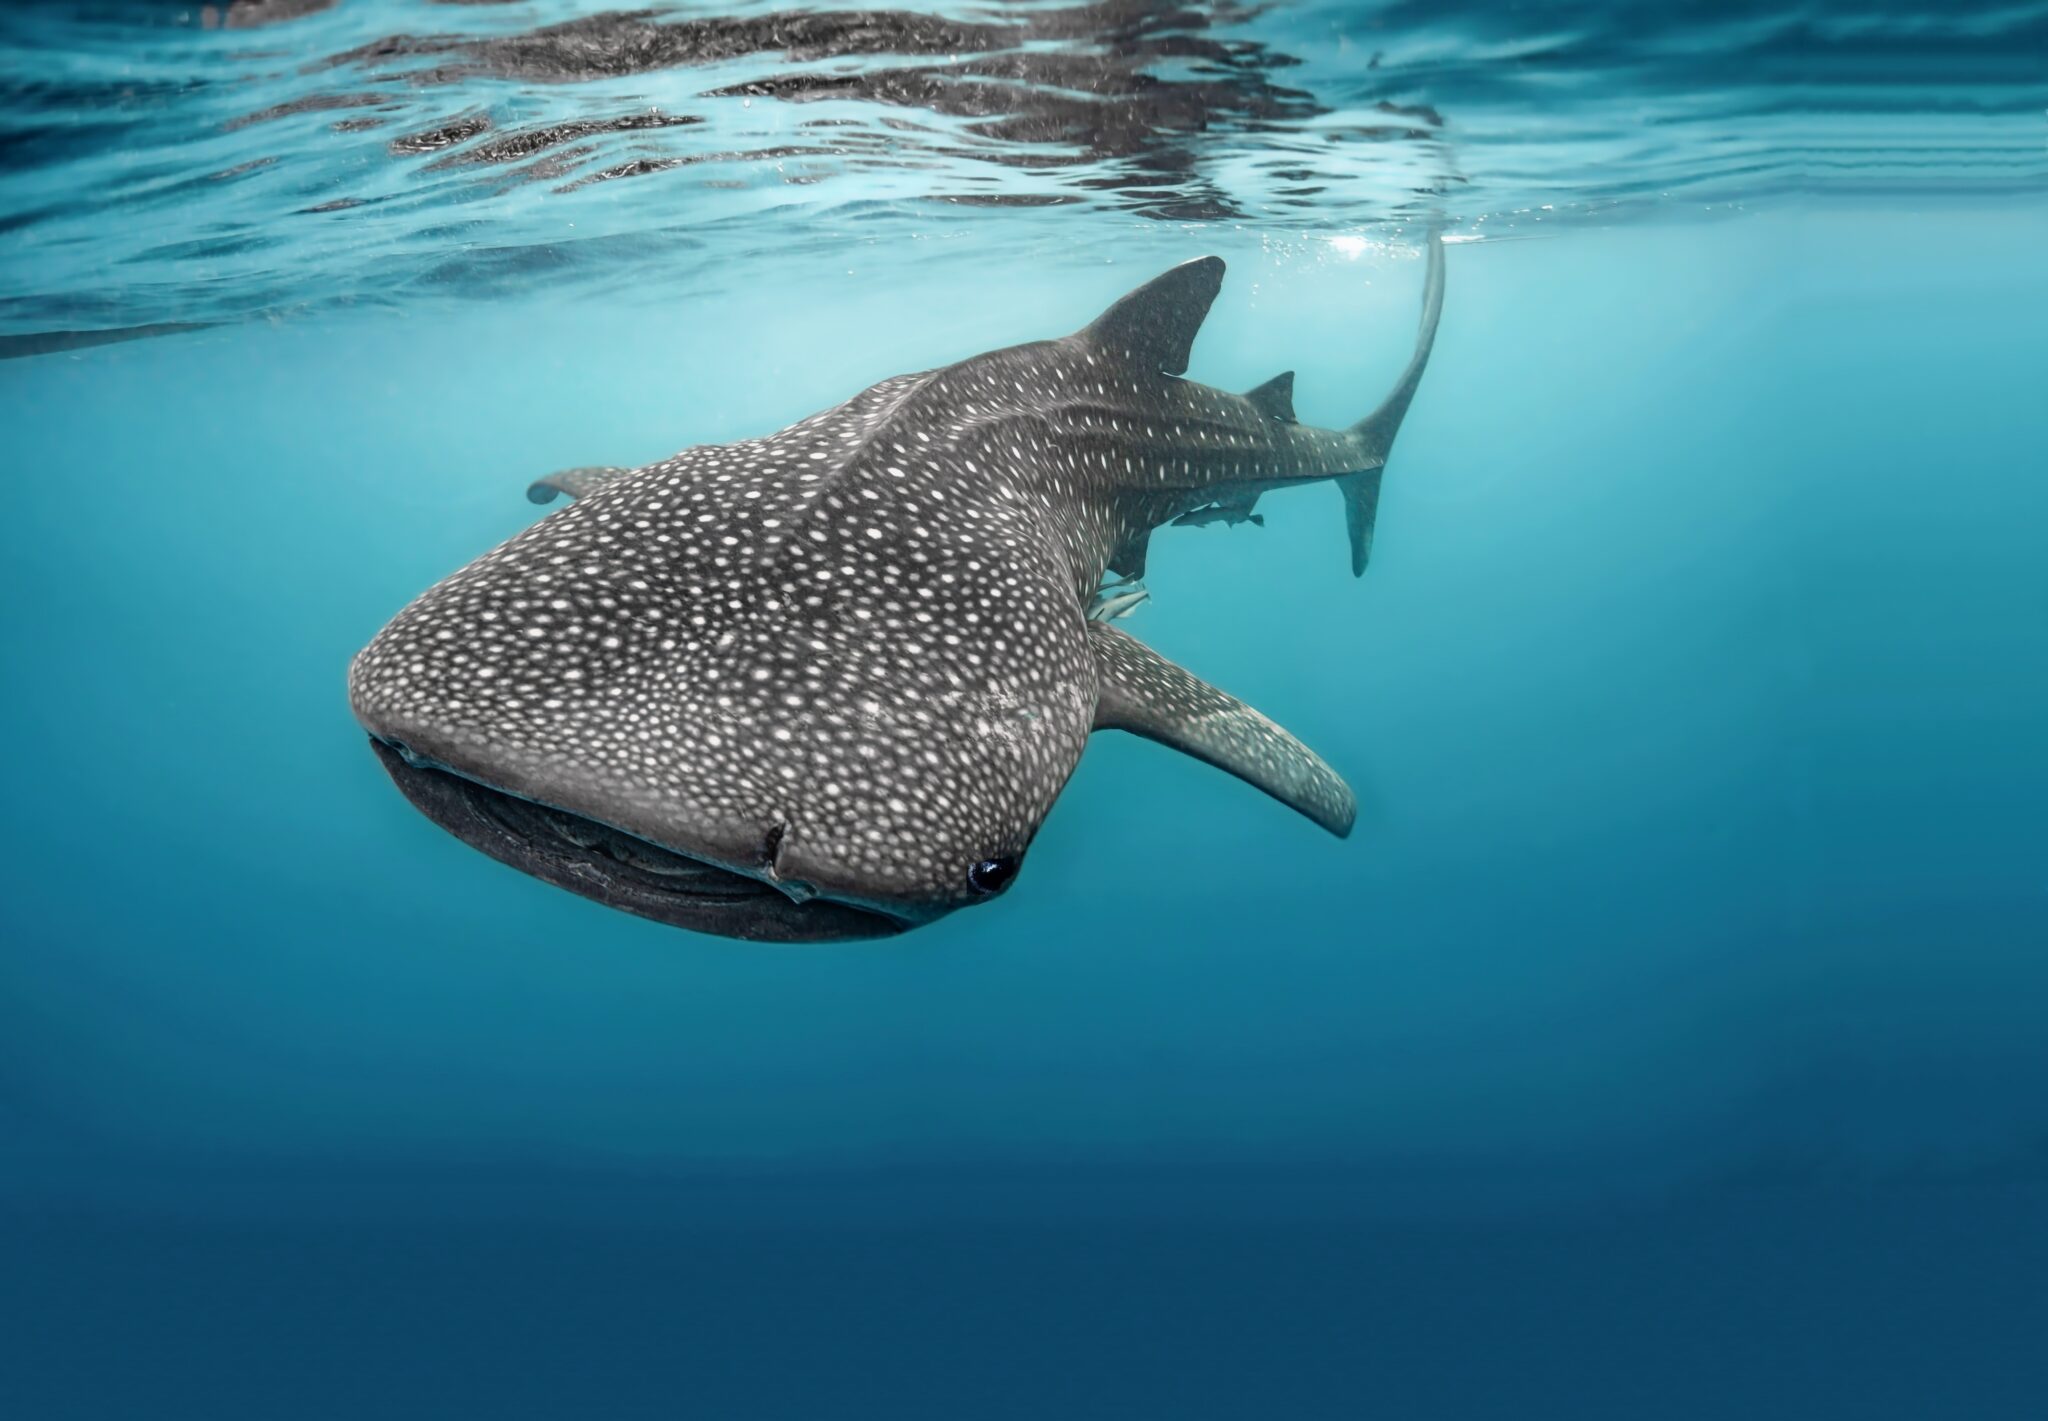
<point>1229,517</point>
<point>827,683</point>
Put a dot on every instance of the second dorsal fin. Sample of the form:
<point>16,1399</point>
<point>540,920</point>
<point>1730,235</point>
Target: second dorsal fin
<point>1156,324</point>
<point>574,482</point>
<point>1275,398</point>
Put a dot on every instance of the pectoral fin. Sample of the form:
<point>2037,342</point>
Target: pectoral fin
<point>574,482</point>
<point>1144,693</point>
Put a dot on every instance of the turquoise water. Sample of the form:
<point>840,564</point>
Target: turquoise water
<point>1667,1040</point>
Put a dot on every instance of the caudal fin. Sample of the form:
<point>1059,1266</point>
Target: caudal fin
<point>1377,430</point>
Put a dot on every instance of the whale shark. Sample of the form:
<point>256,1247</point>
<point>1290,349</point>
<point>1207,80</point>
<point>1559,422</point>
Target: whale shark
<point>828,683</point>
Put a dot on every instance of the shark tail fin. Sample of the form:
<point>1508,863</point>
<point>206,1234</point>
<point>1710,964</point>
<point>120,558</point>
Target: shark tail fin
<point>1377,430</point>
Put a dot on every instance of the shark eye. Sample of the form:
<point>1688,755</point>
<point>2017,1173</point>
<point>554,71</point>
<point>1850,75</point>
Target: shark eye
<point>992,875</point>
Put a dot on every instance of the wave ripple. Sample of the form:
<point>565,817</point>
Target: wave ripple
<point>162,165</point>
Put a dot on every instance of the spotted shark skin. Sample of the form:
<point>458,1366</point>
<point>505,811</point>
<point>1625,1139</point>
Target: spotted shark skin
<point>839,674</point>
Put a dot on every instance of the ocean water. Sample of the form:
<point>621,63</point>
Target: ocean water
<point>1670,1038</point>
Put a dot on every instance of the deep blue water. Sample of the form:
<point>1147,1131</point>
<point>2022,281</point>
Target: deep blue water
<point>1669,1040</point>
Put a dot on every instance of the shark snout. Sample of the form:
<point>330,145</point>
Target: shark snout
<point>597,860</point>
<point>557,794</point>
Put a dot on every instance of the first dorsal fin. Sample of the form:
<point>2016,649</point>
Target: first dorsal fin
<point>1275,398</point>
<point>1141,691</point>
<point>1156,324</point>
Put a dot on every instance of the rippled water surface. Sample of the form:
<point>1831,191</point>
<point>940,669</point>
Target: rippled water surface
<point>164,163</point>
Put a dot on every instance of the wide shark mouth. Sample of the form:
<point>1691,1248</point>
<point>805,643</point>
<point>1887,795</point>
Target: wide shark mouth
<point>619,870</point>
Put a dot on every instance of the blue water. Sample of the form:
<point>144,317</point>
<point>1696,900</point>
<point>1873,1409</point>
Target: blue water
<point>1669,1040</point>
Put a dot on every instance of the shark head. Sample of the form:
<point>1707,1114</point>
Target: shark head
<point>730,693</point>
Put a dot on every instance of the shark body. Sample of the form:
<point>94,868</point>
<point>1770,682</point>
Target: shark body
<point>828,683</point>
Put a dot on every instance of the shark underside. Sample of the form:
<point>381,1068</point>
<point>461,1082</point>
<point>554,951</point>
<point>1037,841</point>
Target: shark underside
<point>828,683</point>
